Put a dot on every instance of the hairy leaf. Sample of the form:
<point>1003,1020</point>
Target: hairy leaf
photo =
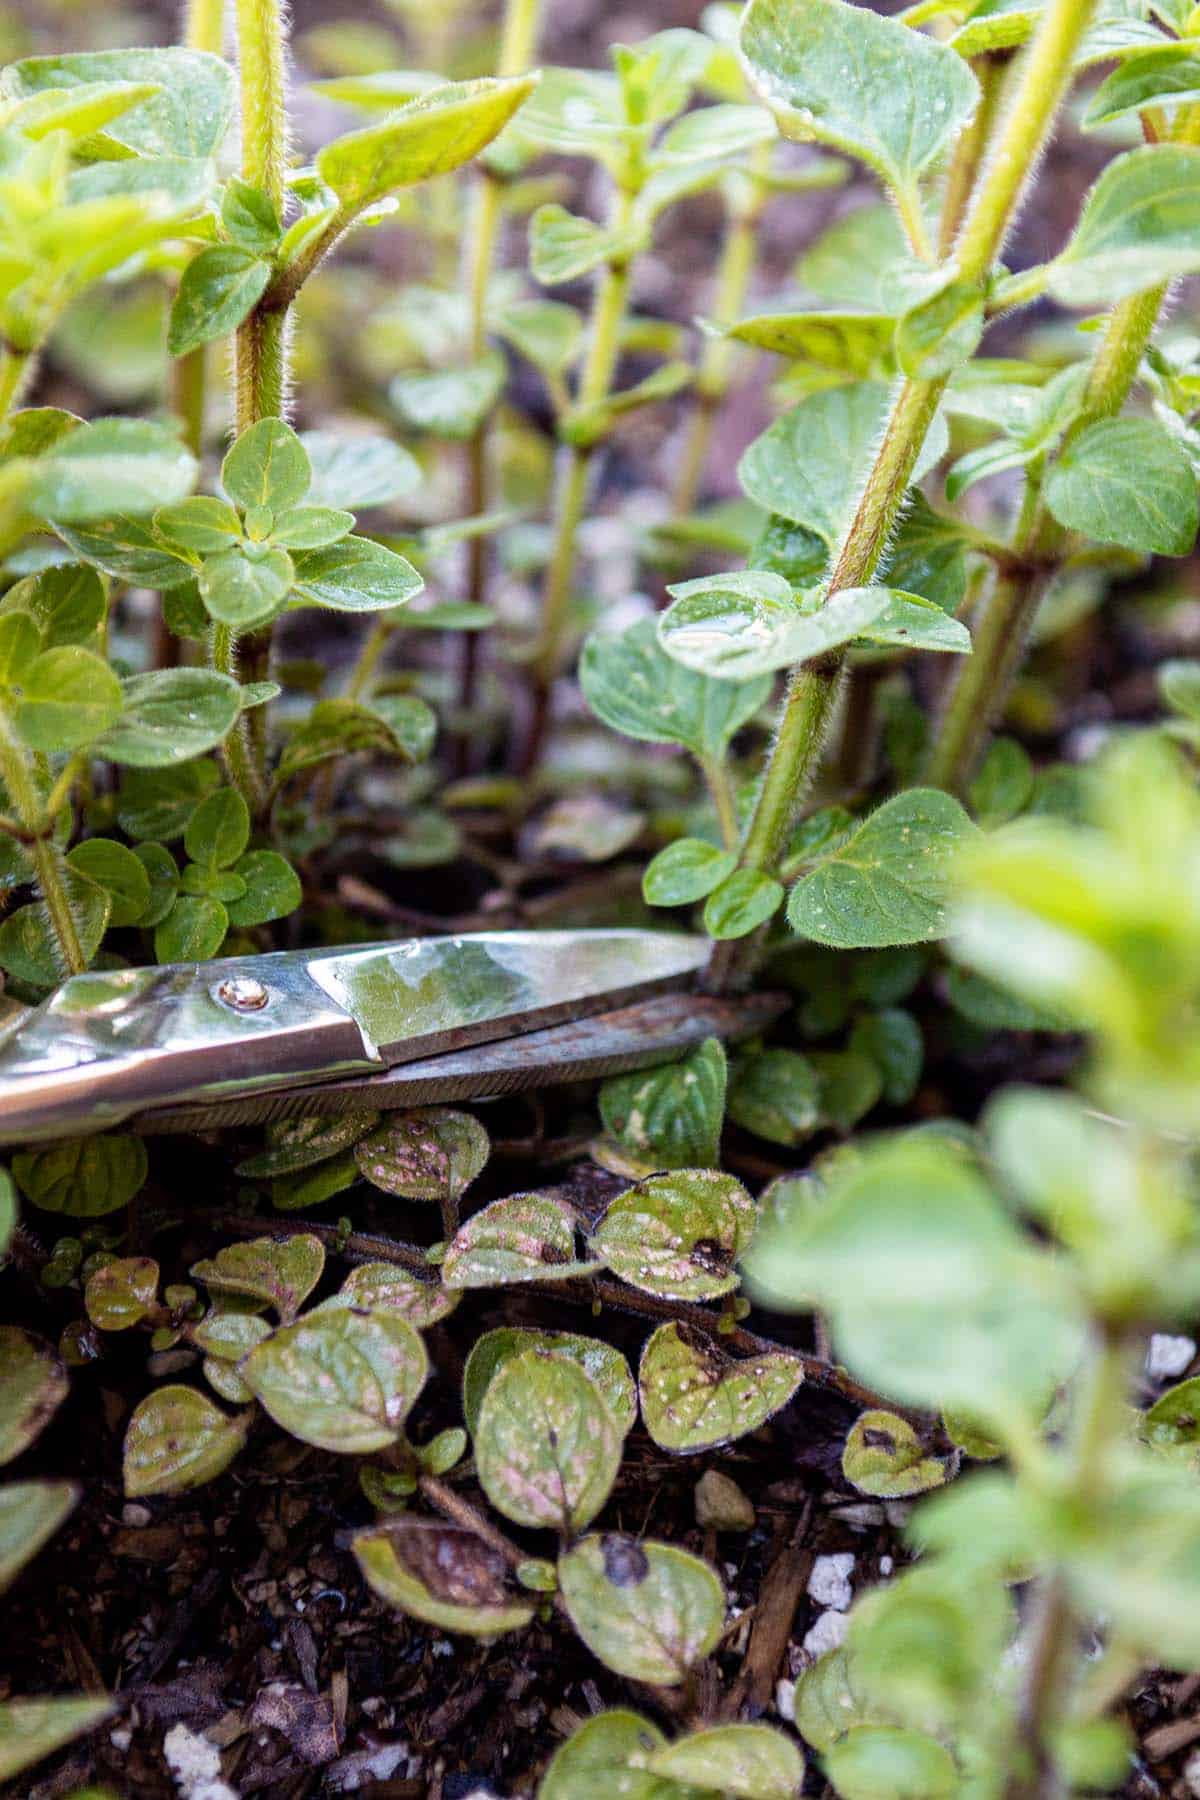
<point>678,1235</point>
<point>695,1397</point>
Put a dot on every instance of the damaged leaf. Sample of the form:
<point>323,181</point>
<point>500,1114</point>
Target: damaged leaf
<point>177,1440</point>
<point>381,1286</point>
<point>647,1610</point>
<point>547,1449</point>
<point>694,1396</point>
<point>279,1272</point>
<point>341,1380</point>
<point>885,1458</point>
<point>300,1143</point>
<point>122,1293</point>
<point>33,1385</point>
<point>606,1366</point>
<point>671,1116</point>
<point>442,1574</point>
<point>678,1235</point>
<point>527,1237</point>
<point>434,1153</point>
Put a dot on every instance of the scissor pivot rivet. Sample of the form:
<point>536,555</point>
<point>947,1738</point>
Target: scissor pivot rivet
<point>243,993</point>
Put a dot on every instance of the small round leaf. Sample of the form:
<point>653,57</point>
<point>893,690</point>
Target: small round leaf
<point>884,1457</point>
<point>547,1449</point>
<point>647,1610</point>
<point>121,1293</point>
<point>526,1237</point>
<point>606,1366</point>
<point>431,1154</point>
<point>177,1440</point>
<point>340,1379</point>
<point>678,1235</point>
<point>279,1272</point>
<point>694,1396</point>
<point>441,1574</point>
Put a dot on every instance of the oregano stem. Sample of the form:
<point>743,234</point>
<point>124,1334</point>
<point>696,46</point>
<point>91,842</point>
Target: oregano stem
<point>518,41</point>
<point>16,369</point>
<point>236,751</point>
<point>1045,72</point>
<point>735,266</point>
<point>261,377</point>
<point>574,469</point>
<point>35,819</point>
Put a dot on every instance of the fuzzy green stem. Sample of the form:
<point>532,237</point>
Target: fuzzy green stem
<point>236,751</point>
<point>37,821</point>
<point>604,343</point>
<point>981,685</point>
<point>1099,1422</point>
<point>969,150</point>
<point>804,722</point>
<point>720,787</point>
<point>374,645</point>
<point>16,368</point>
<point>734,269</point>
<point>518,41</point>
<point>203,29</point>
<point>262,338</point>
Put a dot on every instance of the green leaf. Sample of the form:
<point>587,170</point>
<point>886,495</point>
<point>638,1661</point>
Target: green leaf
<point>868,85</point>
<point>685,871</point>
<point>547,1449</point>
<point>604,1365</point>
<point>1172,1425</point>
<point>217,290</point>
<point>606,1756</point>
<point>430,136</point>
<point>887,882</point>
<point>809,465</point>
<point>382,1287</point>
<point>647,1610</point>
<point>201,523</point>
<point>69,697</point>
<point>935,1295</point>
<point>713,134</point>
<point>68,602</point>
<point>158,803</point>
<point>743,901</point>
<point>746,624</point>
<point>110,466</point>
<point>434,1153</point>
<point>193,930</point>
<point>250,216</point>
<point>8,1210</point>
<point>888,1762</point>
<point>342,1380</point>
<point>30,1513</point>
<point>864,261</point>
<point>1166,76</point>
<point>33,1729</point>
<point>177,1440</point>
<point>545,331</point>
<point>272,889</point>
<point>131,550</point>
<point>189,116</point>
<point>355,575</point>
<point>670,1116</point>
<point>450,403</point>
<point>358,469</point>
<point>313,1187</point>
<point>121,1293</point>
<point>1004,785</point>
<point>1127,482</point>
<point>565,247</point>
<point>219,829</point>
<point>851,1084</point>
<point>33,1385</point>
<point>776,1094</point>
<point>29,945</point>
<point>527,1237</point>
<point>884,1457</point>
<point>117,870</point>
<point>1140,225</point>
<point>892,1040</point>
<point>80,111</point>
<point>857,343</point>
<point>278,1272</point>
<point>678,1235</point>
<point>441,1574</point>
<point>636,688</point>
<point>694,1397</point>
<point>941,333</point>
<point>267,466</point>
<point>85,1177</point>
<point>746,1762</point>
<point>168,716</point>
<point>311,527</point>
<point>927,556</point>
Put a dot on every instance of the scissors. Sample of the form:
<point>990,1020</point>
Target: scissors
<point>194,1046</point>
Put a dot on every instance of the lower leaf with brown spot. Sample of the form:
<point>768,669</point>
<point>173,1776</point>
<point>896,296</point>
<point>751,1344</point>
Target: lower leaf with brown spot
<point>694,1396</point>
<point>442,1574</point>
<point>647,1610</point>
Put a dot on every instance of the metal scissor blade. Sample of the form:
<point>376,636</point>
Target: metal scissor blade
<point>632,1037</point>
<point>111,1044</point>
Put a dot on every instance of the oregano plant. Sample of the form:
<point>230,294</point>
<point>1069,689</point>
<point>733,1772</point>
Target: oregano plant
<point>767,454</point>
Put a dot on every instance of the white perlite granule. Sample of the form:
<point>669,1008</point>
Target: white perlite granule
<point>829,1583</point>
<point>829,1633</point>
<point>196,1765</point>
<point>1168,1356</point>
